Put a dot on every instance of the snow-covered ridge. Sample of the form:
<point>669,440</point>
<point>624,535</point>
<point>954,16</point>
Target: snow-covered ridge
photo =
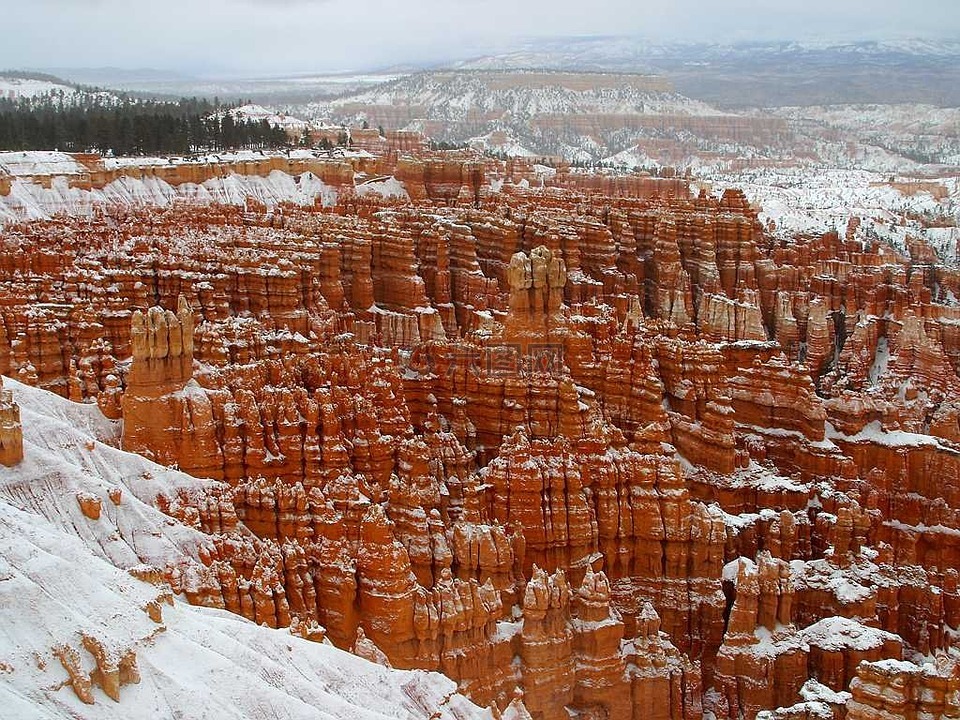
<point>32,163</point>
<point>61,579</point>
<point>258,113</point>
<point>500,142</point>
<point>632,158</point>
<point>581,116</point>
<point>30,201</point>
<point>42,89</point>
<point>837,633</point>
<point>387,188</point>
<point>455,96</point>
<point>69,448</point>
<point>891,137</point>
<point>13,88</point>
<point>906,117</point>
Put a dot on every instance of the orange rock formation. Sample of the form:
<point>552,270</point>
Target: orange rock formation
<point>617,455</point>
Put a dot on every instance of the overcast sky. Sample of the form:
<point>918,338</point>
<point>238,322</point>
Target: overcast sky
<point>278,36</point>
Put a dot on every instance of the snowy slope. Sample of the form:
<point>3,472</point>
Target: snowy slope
<point>12,88</point>
<point>631,159</point>
<point>889,137</point>
<point>817,200</point>
<point>388,188</point>
<point>60,578</point>
<point>580,116</point>
<point>258,113</point>
<point>907,118</point>
<point>198,663</point>
<point>500,142</point>
<point>41,89</point>
<point>69,449</point>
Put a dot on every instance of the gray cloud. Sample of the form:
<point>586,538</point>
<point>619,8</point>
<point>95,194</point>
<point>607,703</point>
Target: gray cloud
<point>275,36</point>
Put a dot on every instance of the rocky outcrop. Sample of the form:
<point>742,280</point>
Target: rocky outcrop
<point>901,689</point>
<point>763,661</point>
<point>167,416</point>
<point>839,645</point>
<point>665,683</point>
<point>111,669</point>
<point>11,431</point>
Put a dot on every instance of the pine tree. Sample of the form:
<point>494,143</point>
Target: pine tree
<point>127,126</point>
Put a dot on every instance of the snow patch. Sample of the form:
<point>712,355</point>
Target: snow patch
<point>388,188</point>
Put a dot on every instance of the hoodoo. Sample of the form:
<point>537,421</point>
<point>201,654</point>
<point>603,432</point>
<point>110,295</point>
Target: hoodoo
<point>11,431</point>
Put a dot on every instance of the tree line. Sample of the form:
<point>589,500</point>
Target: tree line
<point>106,123</point>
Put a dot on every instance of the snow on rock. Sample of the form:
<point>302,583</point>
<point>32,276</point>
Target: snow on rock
<point>456,96</point>
<point>631,159</point>
<point>115,163</point>
<point>813,691</point>
<point>897,666</point>
<point>498,141</point>
<point>874,432</point>
<point>39,162</point>
<point>806,199</point>
<point>912,129</point>
<point>69,451</point>
<point>31,201</point>
<point>128,191</point>
<point>839,633</point>
<point>544,171</point>
<point>850,585</point>
<point>881,360</point>
<point>810,710</point>
<point>390,187</point>
<point>63,594</point>
<point>198,663</point>
<point>946,241</point>
<point>258,113</point>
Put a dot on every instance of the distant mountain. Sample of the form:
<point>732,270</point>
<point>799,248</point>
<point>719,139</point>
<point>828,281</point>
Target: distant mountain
<point>32,75</point>
<point>638,120</point>
<point>165,84</point>
<point>576,115</point>
<point>117,77</point>
<point>731,75</point>
<point>761,73</point>
<point>39,88</point>
<point>478,96</point>
<point>631,54</point>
